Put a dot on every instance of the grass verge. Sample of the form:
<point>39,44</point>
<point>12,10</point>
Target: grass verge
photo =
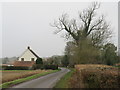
<point>64,81</point>
<point>12,83</point>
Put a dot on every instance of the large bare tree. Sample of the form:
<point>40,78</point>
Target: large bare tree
<point>89,25</point>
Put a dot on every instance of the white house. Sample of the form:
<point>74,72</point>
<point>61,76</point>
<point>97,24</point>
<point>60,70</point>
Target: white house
<point>27,59</point>
<point>28,55</point>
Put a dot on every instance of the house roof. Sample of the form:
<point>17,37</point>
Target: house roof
<point>28,48</point>
<point>24,63</point>
<point>33,52</point>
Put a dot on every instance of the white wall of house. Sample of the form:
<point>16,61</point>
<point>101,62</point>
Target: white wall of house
<point>27,55</point>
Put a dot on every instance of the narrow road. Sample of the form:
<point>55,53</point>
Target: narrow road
<point>47,81</point>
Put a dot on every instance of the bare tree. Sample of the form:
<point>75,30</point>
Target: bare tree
<point>90,26</point>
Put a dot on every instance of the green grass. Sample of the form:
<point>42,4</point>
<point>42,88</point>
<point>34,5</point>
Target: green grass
<point>11,83</point>
<point>64,81</point>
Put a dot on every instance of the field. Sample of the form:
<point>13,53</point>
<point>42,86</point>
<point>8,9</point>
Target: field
<point>10,75</point>
<point>95,76</point>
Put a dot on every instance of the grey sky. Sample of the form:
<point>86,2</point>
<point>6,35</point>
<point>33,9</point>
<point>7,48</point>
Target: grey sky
<point>28,24</point>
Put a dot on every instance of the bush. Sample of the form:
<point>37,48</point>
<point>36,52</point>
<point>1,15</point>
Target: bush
<point>95,76</point>
<point>14,68</point>
<point>41,66</point>
<point>37,66</point>
<point>53,67</point>
<point>39,61</point>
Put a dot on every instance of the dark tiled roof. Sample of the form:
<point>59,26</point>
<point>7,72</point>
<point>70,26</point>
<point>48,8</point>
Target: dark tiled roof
<point>24,63</point>
<point>33,53</point>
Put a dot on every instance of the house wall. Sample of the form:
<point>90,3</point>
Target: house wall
<point>27,55</point>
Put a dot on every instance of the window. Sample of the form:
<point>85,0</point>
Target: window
<point>22,59</point>
<point>32,59</point>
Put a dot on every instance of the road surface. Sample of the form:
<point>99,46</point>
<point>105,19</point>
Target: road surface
<point>47,81</point>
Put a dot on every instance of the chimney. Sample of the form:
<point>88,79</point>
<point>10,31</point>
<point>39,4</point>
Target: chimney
<point>28,47</point>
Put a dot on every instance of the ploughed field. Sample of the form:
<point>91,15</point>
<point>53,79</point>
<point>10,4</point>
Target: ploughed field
<point>10,75</point>
<point>95,76</point>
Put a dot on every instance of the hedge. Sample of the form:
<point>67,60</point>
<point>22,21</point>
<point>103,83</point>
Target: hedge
<point>40,66</point>
<point>53,67</point>
<point>14,68</point>
<point>34,67</point>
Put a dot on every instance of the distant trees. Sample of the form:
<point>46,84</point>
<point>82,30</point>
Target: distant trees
<point>56,59</point>
<point>109,54</point>
<point>65,61</point>
<point>5,60</point>
<point>62,60</point>
<point>8,60</point>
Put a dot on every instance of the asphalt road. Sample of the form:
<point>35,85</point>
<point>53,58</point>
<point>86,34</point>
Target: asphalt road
<point>47,81</point>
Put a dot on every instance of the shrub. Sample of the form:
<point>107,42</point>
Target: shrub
<point>95,76</point>
<point>37,66</point>
<point>41,66</point>
<point>39,61</point>
<point>53,67</point>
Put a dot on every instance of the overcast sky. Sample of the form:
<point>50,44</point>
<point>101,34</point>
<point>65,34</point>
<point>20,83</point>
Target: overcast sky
<point>28,24</point>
